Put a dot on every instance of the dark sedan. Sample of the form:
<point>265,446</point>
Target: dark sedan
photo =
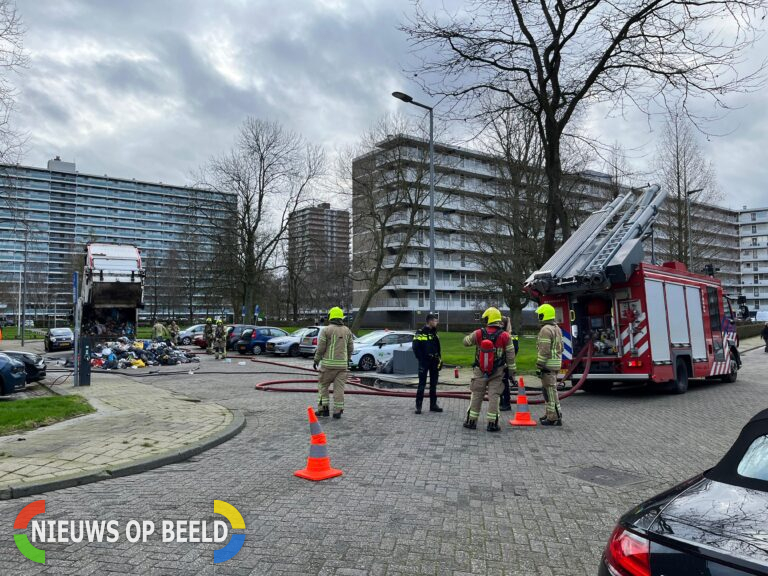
<point>13,377</point>
<point>254,340</point>
<point>715,524</point>
<point>33,364</point>
<point>59,339</point>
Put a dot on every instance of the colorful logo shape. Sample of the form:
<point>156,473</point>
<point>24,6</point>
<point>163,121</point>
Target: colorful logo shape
<point>22,521</point>
<point>236,541</point>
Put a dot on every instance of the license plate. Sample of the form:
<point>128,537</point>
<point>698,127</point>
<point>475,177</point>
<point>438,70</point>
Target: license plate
<point>64,344</point>
<point>306,341</point>
<point>270,346</point>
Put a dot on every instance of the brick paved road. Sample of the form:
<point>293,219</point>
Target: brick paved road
<point>419,495</point>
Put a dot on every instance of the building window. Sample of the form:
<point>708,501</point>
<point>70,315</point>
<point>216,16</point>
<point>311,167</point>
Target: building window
<point>754,216</point>
<point>754,228</point>
<point>754,241</point>
<point>421,299</point>
<point>757,292</point>
<point>754,254</point>
<point>463,260</point>
<point>756,279</point>
<point>747,265</point>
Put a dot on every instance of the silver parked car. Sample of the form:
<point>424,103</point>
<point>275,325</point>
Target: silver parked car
<point>187,336</point>
<point>290,345</point>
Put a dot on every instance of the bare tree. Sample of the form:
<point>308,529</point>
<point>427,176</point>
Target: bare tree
<point>683,168</point>
<point>508,243</point>
<point>271,171</point>
<point>390,188</point>
<point>12,59</point>
<point>551,59</point>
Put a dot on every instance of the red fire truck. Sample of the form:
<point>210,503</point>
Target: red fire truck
<point>645,323</point>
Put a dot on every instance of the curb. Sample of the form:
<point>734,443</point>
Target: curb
<point>137,467</point>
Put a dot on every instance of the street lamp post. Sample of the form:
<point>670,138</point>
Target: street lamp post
<point>409,100</point>
<point>688,195</point>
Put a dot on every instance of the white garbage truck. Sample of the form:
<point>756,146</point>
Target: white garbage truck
<point>112,290</point>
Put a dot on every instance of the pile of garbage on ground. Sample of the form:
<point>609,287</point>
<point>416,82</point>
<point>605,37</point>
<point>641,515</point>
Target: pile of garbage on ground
<point>125,353</point>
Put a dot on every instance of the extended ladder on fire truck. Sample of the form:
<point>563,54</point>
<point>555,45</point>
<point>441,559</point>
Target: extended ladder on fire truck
<point>605,249</point>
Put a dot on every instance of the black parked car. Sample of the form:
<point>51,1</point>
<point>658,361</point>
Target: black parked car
<point>715,524</point>
<point>33,364</point>
<point>59,339</point>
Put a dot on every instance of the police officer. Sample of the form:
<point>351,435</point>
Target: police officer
<point>510,371</point>
<point>334,349</point>
<point>208,335</point>
<point>548,361</point>
<point>426,348</point>
<point>220,341</point>
<point>503,354</point>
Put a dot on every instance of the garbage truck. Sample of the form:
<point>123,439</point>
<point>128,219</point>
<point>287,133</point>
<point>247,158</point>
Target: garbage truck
<point>112,291</point>
<point>645,323</point>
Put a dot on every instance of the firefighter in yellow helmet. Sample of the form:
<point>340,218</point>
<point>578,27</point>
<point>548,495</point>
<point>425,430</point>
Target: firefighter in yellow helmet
<point>495,351</point>
<point>334,349</point>
<point>220,340</point>
<point>549,361</point>
<point>208,335</point>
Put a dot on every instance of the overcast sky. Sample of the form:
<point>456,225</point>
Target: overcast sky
<point>149,89</point>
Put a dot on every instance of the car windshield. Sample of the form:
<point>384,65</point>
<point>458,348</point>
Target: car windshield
<point>300,333</point>
<point>369,339</point>
<point>61,332</point>
<point>754,464</point>
<point>246,334</point>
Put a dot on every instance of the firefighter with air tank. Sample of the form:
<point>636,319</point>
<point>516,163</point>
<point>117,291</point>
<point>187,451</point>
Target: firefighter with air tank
<point>495,352</point>
<point>549,361</point>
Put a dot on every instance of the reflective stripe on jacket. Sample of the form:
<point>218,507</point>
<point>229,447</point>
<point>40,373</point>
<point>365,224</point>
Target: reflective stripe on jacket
<point>334,347</point>
<point>550,347</point>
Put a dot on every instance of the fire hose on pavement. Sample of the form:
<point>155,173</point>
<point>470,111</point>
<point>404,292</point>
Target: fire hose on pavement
<point>367,390</point>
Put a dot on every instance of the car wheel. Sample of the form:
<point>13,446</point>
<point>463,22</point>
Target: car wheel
<point>731,377</point>
<point>680,384</point>
<point>257,350</point>
<point>186,341</point>
<point>367,363</point>
<point>294,351</point>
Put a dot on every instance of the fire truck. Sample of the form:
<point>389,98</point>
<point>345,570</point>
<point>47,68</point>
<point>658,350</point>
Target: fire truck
<point>659,324</point>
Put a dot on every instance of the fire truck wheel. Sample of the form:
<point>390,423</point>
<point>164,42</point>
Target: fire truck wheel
<point>680,384</point>
<point>732,375</point>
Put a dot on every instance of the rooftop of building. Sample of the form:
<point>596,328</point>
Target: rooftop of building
<point>58,165</point>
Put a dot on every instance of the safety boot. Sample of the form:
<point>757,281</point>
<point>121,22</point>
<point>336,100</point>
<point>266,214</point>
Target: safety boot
<point>505,407</point>
<point>418,409</point>
<point>435,408</point>
<point>323,411</point>
<point>547,422</point>
<point>493,426</point>
<point>471,424</point>
<point>337,415</point>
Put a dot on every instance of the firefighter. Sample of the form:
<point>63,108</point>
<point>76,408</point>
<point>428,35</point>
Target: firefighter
<point>510,372</point>
<point>549,361</point>
<point>159,331</point>
<point>334,349</point>
<point>495,351</point>
<point>174,330</point>
<point>426,348</point>
<point>220,340</point>
<point>208,335</point>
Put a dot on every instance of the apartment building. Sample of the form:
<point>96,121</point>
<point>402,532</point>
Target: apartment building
<point>753,245</point>
<point>467,184</point>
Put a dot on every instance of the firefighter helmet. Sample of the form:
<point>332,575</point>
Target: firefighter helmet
<point>545,312</point>
<point>492,315</point>
<point>335,313</point>
<point>219,322</point>
<point>209,320</point>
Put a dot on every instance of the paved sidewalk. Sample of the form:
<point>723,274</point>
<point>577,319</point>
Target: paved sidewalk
<point>136,427</point>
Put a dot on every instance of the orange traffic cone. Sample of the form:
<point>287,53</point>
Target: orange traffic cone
<point>318,463</point>
<point>523,412</point>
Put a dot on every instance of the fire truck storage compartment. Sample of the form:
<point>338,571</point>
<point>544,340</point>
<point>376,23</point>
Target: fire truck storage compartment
<point>594,320</point>
<point>674,320</point>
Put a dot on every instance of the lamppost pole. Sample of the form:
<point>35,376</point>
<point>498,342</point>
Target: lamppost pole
<point>409,100</point>
<point>688,195</point>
